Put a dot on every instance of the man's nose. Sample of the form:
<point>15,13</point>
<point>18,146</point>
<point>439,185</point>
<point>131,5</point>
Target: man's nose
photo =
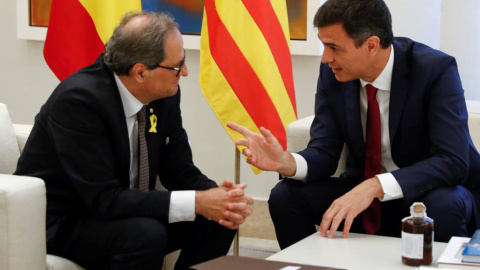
<point>326,57</point>
<point>184,71</point>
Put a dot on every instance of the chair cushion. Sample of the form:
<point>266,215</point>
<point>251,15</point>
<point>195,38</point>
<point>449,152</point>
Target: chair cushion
<point>8,143</point>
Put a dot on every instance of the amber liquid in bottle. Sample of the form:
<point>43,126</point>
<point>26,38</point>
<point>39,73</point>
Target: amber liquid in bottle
<point>418,224</point>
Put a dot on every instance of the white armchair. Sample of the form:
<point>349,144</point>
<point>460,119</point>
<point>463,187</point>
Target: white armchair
<point>22,207</point>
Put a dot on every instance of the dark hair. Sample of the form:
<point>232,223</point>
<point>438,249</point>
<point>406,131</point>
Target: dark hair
<point>361,19</point>
<point>144,44</point>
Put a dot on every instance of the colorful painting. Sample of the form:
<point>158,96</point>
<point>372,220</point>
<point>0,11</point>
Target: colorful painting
<point>297,19</point>
<point>39,12</point>
<point>188,14</point>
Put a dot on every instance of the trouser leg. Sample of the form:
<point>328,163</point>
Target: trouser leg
<point>135,243</point>
<point>451,209</point>
<point>296,207</point>
<point>200,241</point>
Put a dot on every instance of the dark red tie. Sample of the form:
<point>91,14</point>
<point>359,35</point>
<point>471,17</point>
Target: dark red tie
<point>373,158</point>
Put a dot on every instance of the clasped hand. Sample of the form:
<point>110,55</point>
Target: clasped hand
<point>226,204</point>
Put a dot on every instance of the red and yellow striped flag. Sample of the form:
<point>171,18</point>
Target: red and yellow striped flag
<point>245,65</point>
<point>78,30</point>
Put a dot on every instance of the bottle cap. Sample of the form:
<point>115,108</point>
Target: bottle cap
<point>418,207</point>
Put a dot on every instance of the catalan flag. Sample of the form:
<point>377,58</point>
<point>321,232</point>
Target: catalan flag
<point>245,65</point>
<point>78,30</point>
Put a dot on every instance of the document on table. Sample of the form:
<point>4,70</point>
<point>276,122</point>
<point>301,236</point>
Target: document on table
<point>451,257</point>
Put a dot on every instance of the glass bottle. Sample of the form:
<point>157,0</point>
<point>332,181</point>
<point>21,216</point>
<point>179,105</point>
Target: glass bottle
<point>417,237</point>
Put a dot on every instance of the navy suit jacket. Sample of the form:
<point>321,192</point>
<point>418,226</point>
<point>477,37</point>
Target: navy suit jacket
<point>80,147</point>
<point>429,136</point>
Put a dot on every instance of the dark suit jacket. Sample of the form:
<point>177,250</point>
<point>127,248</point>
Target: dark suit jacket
<point>428,128</point>
<point>80,147</point>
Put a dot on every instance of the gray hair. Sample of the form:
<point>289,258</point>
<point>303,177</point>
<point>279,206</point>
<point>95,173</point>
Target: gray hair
<point>144,44</point>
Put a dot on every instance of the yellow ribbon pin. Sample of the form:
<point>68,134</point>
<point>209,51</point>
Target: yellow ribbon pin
<point>153,123</point>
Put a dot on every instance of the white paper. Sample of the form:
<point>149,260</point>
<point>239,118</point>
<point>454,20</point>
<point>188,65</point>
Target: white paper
<point>453,251</point>
<point>291,268</point>
<point>431,267</point>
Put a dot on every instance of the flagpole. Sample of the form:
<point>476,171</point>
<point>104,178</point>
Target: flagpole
<point>236,247</point>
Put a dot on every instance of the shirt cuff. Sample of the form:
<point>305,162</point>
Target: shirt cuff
<point>182,206</point>
<point>391,188</point>
<point>302,167</point>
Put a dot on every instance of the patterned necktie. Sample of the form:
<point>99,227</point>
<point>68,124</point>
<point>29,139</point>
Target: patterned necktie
<point>373,158</point>
<point>143,179</point>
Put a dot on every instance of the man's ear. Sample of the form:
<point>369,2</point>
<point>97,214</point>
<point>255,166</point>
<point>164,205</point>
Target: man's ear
<point>373,44</point>
<point>137,72</point>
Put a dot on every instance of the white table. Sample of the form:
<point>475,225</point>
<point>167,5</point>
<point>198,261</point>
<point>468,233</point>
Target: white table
<point>356,252</point>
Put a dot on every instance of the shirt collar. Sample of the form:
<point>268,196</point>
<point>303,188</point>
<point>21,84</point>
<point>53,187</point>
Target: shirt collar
<point>384,80</point>
<point>131,105</point>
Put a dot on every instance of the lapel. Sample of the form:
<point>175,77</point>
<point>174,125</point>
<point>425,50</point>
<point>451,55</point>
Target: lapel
<point>154,139</point>
<point>122,141</point>
<point>353,118</point>
<point>153,116</point>
<point>399,89</point>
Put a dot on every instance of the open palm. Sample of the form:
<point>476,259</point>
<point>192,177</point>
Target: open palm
<point>262,150</point>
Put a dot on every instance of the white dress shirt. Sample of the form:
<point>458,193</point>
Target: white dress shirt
<point>182,203</point>
<point>383,82</point>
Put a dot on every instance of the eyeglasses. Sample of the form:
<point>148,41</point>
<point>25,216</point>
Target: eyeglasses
<point>178,69</point>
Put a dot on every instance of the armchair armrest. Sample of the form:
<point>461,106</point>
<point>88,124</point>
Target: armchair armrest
<point>22,132</point>
<point>22,222</point>
<point>298,136</point>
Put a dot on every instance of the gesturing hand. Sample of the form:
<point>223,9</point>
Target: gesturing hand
<point>264,151</point>
<point>349,206</point>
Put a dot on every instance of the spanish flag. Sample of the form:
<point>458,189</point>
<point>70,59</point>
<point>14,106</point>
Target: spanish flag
<point>78,30</point>
<point>245,65</point>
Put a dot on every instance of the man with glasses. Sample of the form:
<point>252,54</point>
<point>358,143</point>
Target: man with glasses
<point>100,142</point>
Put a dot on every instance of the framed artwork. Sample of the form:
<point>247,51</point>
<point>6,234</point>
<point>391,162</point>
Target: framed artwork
<point>189,15</point>
<point>32,21</point>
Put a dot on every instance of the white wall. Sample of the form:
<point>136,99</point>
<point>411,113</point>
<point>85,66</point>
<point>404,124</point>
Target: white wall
<point>418,20</point>
<point>26,81</point>
<point>461,38</point>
